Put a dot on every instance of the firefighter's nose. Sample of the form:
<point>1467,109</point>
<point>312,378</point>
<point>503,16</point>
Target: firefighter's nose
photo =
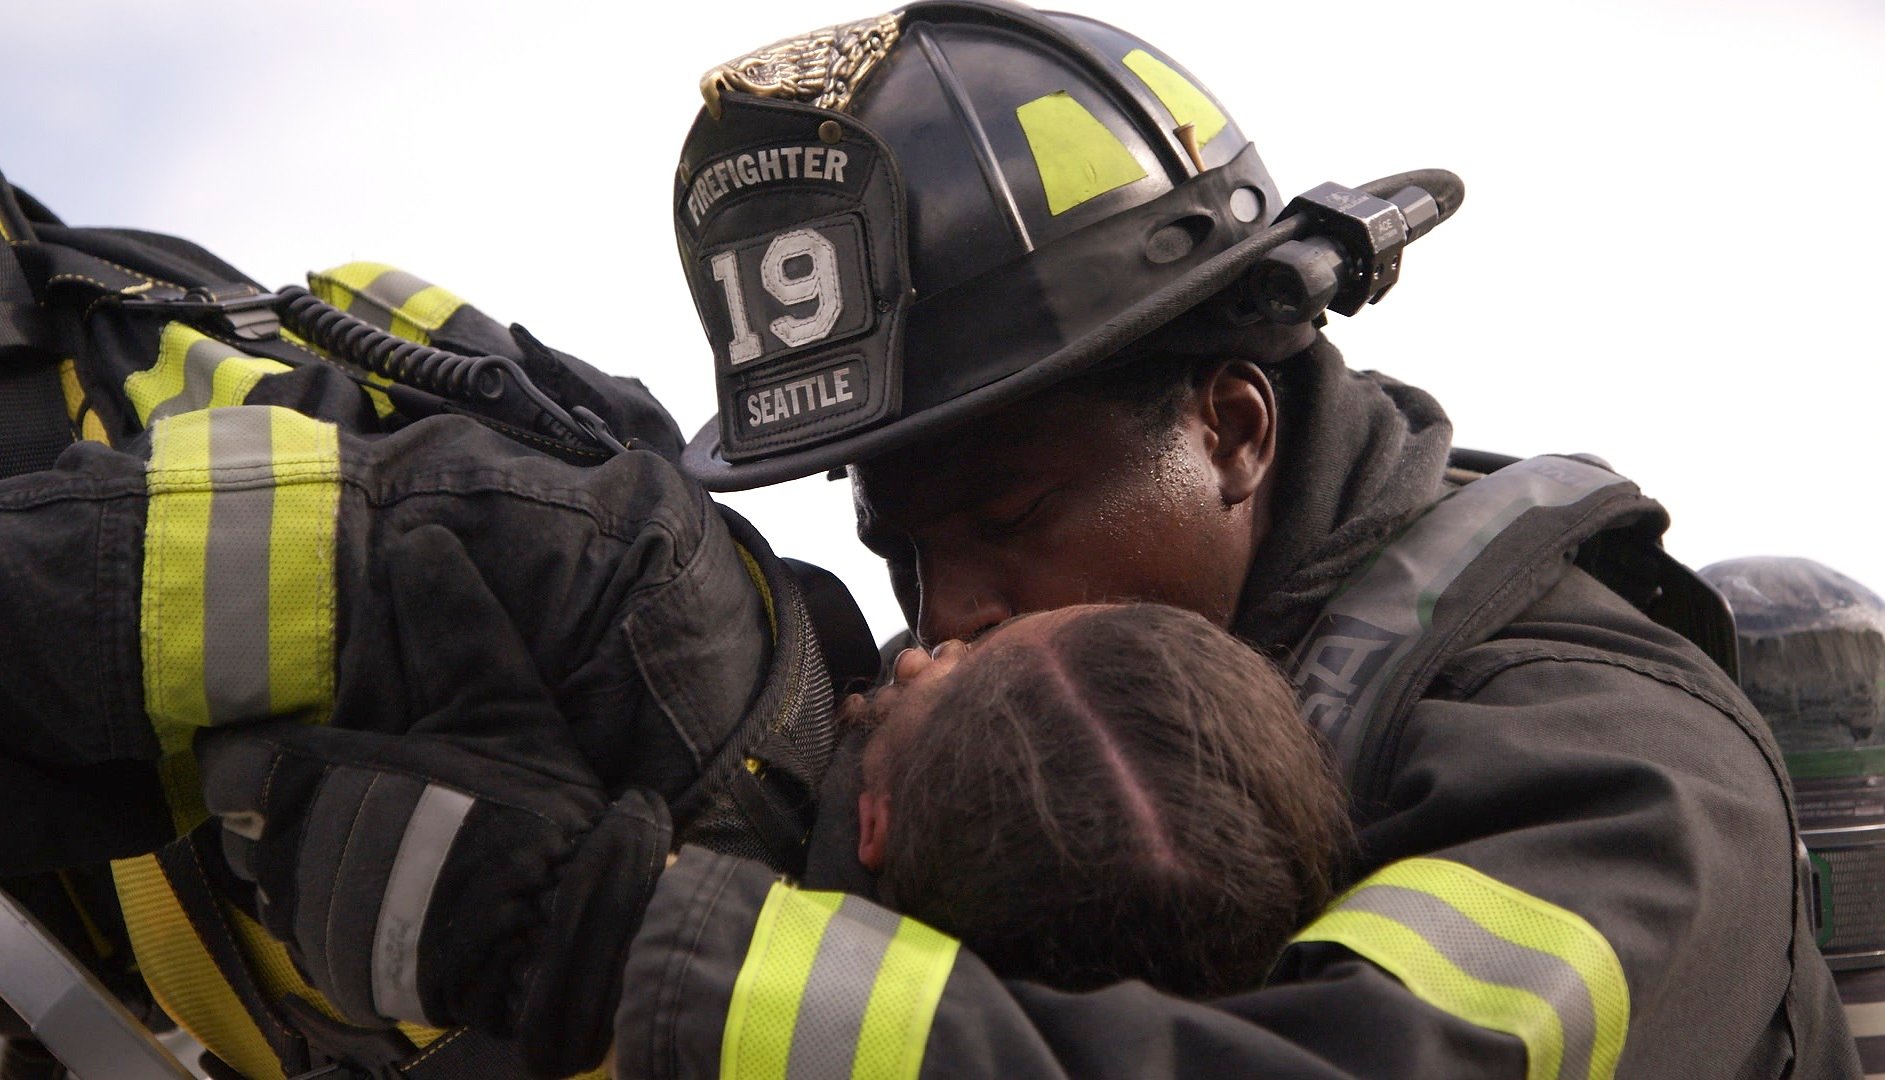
<point>959,606</point>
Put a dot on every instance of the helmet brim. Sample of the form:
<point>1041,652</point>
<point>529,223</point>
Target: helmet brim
<point>703,461</point>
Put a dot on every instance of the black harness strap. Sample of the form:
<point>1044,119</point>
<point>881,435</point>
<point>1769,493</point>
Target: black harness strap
<point>33,424</point>
<point>182,863</point>
<point>463,1053</point>
<point>1458,573</point>
<point>308,1042</point>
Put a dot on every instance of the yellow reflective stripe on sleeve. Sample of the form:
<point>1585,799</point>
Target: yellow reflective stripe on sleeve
<point>424,312</point>
<point>301,603</point>
<point>1493,956</point>
<point>771,982</point>
<point>194,371</point>
<point>1182,98</point>
<point>238,594</point>
<point>834,985</point>
<point>176,542</point>
<point>402,304</point>
<point>903,1003</point>
<point>340,285</point>
<point>1077,157</point>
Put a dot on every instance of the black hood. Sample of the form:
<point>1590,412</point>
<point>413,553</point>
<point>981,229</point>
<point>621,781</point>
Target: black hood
<point>1359,455</point>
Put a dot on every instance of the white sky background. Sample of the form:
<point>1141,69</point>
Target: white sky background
<point>1670,253</point>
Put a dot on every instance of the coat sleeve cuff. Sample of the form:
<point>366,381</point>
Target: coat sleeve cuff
<point>678,982</point>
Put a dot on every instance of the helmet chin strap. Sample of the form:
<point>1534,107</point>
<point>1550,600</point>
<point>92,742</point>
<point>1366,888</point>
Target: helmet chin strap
<point>1269,343</point>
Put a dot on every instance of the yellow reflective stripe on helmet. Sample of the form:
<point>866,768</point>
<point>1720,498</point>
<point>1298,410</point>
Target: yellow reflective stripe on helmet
<point>1182,98</point>
<point>397,302</point>
<point>1077,157</point>
<point>1493,956</point>
<point>834,985</point>
<point>194,371</point>
<point>241,524</point>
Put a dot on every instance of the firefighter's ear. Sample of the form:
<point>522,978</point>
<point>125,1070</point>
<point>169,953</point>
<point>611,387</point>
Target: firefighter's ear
<point>1235,416</point>
<point>873,828</point>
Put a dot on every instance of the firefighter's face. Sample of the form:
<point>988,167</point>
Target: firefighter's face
<point>1065,500</point>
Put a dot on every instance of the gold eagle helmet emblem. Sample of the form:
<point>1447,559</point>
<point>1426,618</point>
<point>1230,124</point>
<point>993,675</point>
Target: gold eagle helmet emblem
<point>822,68</point>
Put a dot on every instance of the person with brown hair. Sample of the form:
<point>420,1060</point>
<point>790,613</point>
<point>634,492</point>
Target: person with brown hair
<point>1101,793</point>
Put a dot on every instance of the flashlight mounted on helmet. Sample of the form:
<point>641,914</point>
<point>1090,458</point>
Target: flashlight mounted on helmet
<point>894,225</point>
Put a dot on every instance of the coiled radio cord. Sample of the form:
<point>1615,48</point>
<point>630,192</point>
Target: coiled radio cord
<point>479,382</point>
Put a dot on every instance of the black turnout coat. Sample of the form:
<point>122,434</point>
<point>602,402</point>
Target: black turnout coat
<point>1576,859</point>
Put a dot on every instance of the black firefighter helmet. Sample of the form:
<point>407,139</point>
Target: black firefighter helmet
<point>891,225</point>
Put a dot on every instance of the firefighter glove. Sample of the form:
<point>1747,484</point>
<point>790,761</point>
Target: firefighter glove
<point>471,871</point>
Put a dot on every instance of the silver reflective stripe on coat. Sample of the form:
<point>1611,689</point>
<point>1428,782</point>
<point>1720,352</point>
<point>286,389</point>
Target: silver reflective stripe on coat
<point>833,985</point>
<point>430,830</point>
<point>1491,955</point>
<point>831,1014</point>
<point>1493,959</point>
<point>237,555</point>
<point>384,296</point>
<point>1369,629</point>
<point>199,378</point>
<point>393,288</point>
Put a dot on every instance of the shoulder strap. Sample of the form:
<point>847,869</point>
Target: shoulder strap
<point>33,422</point>
<point>1473,561</point>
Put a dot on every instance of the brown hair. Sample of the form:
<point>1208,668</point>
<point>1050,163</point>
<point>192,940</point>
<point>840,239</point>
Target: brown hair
<point>1132,796</point>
